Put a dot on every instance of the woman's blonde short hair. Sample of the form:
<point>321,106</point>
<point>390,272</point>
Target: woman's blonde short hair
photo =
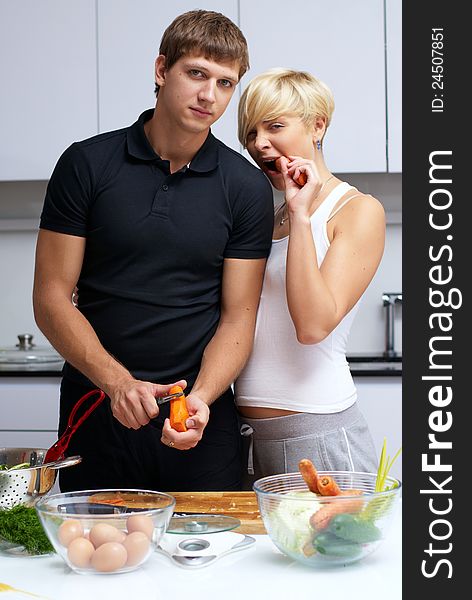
<point>278,92</point>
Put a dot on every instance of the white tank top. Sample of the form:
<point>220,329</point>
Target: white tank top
<point>281,372</point>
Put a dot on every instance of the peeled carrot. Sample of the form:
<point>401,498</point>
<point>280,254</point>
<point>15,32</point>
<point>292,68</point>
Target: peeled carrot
<point>301,179</point>
<point>322,517</point>
<point>327,486</point>
<point>178,410</point>
<point>309,474</point>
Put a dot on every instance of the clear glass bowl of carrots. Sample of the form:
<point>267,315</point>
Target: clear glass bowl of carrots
<point>327,518</point>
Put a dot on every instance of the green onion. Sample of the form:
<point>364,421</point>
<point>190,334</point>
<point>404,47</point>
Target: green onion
<point>385,464</point>
<point>379,506</point>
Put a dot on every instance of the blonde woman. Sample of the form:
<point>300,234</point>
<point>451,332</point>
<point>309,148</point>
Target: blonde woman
<point>296,396</point>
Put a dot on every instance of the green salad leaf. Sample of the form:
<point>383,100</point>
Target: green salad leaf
<point>23,465</point>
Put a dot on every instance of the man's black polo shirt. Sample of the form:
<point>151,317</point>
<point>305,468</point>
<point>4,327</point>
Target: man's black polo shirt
<point>151,278</point>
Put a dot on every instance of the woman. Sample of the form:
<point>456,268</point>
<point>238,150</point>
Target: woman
<point>296,396</point>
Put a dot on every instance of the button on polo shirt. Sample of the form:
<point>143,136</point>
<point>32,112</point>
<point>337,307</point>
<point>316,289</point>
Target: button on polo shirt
<point>156,242</point>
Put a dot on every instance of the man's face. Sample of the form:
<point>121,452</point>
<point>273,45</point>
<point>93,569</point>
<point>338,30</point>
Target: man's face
<point>195,91</point>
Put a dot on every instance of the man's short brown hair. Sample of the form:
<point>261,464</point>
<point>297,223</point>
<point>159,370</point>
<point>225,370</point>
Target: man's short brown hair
<point>207,32</point>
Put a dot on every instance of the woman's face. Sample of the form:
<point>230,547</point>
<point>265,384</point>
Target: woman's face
<point>284,136</point>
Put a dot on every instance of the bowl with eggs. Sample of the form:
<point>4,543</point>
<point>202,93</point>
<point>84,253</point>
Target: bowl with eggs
<point>105,531</point>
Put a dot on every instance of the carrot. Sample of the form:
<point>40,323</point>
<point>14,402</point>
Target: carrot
<point>301,179</point>
<point>309,474</point>
<point>308,548</point>
<point>178,410</point>
<point>327,486</point>
<point>322,517</point>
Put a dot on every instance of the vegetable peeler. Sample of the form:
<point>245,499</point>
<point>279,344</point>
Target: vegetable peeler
<point>164,399</point>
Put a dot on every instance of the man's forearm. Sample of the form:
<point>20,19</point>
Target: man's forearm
<point>224,358</point>
<point>74,338</point>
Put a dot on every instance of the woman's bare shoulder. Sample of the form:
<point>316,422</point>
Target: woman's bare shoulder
<point>356,204</point>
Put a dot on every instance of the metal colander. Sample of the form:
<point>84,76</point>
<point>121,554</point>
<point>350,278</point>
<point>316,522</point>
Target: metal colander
<point>25,486</point>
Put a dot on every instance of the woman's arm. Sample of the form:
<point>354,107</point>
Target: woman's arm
<point>319,298</point>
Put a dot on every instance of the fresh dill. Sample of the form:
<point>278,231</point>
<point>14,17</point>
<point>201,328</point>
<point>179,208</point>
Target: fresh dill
<point>21,525</point>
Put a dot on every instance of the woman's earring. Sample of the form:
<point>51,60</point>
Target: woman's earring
<point>318,145</point>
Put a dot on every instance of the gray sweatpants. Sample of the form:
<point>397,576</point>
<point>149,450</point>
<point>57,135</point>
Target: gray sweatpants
<point>334,442</point>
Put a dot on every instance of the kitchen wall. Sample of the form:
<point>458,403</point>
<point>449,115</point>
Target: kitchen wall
<point>109,85</point>
<point>368,330</point>
<point>20,206</point>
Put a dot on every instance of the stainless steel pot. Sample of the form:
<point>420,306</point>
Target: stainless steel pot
<point>27,485</point>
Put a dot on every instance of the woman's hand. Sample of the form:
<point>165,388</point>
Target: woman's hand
<point>300,199</point>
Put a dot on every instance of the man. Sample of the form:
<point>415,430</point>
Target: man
<point>165,232</point>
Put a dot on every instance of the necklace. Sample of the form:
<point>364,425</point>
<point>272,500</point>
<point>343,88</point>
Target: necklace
<point>284,209</point>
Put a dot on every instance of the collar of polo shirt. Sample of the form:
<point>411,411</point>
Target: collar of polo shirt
<point>206,159</point>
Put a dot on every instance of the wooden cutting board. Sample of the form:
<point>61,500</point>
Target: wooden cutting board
<point>242,505</point>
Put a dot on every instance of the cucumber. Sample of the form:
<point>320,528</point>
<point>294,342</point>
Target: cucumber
<point>350,528</point>
<point>330,545</point>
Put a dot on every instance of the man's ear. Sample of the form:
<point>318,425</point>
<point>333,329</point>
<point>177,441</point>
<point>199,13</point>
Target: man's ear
<point>160,70</point>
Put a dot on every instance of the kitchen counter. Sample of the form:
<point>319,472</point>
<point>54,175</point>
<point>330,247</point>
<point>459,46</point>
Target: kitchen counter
<point>29,374</point>
<point>375,364</point>
<point>361,364</point>
<point>260,571</point>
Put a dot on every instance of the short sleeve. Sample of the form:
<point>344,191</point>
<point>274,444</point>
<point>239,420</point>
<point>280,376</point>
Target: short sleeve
<point>68,194</point>
<point>253,219</point>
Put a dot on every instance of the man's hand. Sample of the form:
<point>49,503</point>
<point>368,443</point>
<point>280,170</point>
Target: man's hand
<point>196,423</point>
<point>133,402</point>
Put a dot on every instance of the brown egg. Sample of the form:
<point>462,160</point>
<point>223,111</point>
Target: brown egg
<point>101,533</point>
<point>109,557</point>
<point>140,523</point>
<point>137,546</point>
<point>69,530</point>
<point>80,551</point>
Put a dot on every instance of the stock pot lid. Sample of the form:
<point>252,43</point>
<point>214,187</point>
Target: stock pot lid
<point>27,353</point>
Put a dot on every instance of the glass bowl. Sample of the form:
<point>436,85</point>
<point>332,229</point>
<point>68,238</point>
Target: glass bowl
<point>105,531</point>
<point>322,531</point>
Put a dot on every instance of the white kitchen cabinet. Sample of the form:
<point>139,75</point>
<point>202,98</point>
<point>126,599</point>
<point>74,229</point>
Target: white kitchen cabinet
<point>72,69</point>
<point>27,439</point>
<point>341,43</point>
<point>129,35</point>
<point>380,400</point>
<point>394,83</point>
<point>29,409</point>
<point>49,83</point>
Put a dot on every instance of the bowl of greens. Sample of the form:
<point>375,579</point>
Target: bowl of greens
<point>327,518</point>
